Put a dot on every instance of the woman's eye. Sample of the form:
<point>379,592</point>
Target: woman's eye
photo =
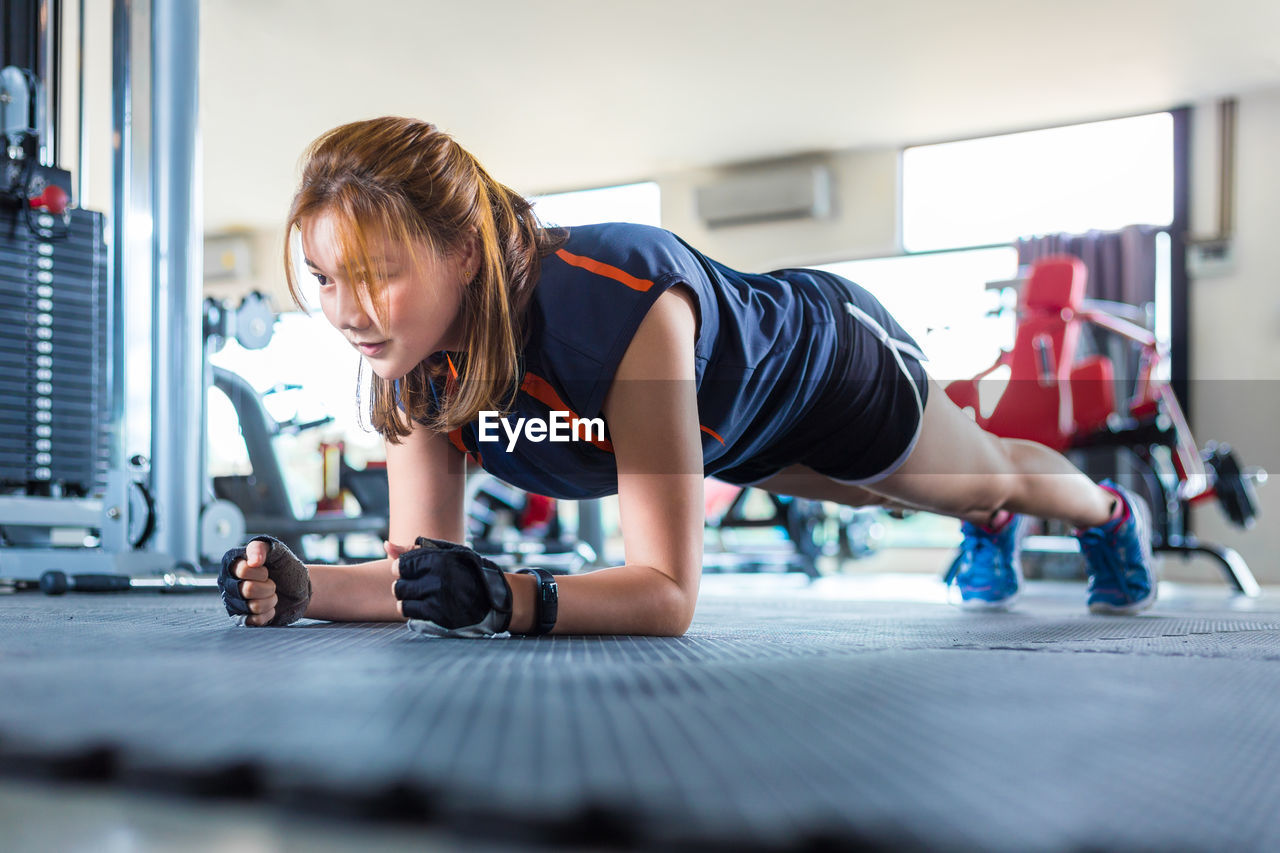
<point>323,279</point>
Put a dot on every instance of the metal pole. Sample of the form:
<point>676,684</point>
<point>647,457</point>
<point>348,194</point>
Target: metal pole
<point>82,150</point>
<point>591,528</point>
<point>129,243</point>
<point>49,70</point>
<point>177,387</point>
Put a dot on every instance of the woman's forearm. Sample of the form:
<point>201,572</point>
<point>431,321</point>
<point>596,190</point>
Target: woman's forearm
<point>628,599</point>
<point>362,592</point>
<point>621,600</point>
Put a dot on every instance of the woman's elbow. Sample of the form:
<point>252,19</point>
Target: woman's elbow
<point>676,611</point>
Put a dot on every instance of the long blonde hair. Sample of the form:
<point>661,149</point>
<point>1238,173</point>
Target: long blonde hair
<point>406,181</point>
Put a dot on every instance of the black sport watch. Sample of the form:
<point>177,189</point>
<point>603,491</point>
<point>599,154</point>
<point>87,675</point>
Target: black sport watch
<point>547,601</point>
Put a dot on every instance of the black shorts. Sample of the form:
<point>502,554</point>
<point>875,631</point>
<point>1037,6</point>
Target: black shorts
<point>866,420</point>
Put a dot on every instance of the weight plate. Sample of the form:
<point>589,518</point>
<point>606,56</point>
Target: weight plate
<point>221,529</point>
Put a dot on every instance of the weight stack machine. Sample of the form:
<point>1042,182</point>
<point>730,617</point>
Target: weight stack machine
<point>54,410</point>
<point>61,504</point>
<point>69,499</point>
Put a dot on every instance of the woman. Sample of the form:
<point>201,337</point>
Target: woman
<point>617,358</point>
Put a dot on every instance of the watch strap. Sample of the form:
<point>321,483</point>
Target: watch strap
<point>546,601</point>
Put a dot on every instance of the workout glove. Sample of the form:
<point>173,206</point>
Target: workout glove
<point>293,583</point>
<point>448,590</point>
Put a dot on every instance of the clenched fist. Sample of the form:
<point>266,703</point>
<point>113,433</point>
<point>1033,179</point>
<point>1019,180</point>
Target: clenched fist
<point>264,583</point>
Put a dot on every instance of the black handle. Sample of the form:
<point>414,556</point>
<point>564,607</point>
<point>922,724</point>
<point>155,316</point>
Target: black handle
<point>56,583</point>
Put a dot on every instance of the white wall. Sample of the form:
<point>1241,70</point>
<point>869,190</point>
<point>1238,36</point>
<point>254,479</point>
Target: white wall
<point>1235,322</point>
<point>864,221</point>
<point>265,273</point>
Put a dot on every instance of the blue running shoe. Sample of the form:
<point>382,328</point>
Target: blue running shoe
<point>1118,555</point>
<point>988,569</point>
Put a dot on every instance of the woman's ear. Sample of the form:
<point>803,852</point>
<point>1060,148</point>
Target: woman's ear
<point>471,255</point>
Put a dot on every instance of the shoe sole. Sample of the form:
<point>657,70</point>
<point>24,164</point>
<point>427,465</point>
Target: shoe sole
<point>1127,609</point>
<point>977,605</point>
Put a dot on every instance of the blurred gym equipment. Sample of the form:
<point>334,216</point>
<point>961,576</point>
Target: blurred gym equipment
<point>1070,404</point>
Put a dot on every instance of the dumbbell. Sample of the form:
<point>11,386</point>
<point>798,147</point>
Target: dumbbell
<point>54,582</point>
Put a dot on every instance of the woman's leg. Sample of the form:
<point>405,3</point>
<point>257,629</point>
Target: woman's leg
<point>959,469</point>
<point>802,481</point>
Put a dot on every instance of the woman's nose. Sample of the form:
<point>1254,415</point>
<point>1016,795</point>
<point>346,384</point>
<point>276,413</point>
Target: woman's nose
<point>350,313</point>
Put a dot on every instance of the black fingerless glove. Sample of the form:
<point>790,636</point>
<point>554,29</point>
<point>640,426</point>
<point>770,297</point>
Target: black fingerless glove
<point>448,590</point>
<point>292,580</point>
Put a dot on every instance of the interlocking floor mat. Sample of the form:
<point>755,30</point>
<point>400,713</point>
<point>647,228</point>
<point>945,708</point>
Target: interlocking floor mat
<point>782,720</point>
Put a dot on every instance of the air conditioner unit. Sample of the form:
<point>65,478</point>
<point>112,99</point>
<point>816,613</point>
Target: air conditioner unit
<point>227,257</point>
<point>767,194</point>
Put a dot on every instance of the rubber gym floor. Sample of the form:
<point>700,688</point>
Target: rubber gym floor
<point>855,712</point>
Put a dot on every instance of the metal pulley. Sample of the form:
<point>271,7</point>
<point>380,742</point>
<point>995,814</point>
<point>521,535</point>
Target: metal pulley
<point>254,321</point>
<point>251,324</point>
<point>221,529</point>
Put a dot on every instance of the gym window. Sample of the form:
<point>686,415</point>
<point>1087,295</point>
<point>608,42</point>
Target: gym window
<point>943,301</point>
<point>1103,175</point>
<point>965,203</point>
<point>640,203</point>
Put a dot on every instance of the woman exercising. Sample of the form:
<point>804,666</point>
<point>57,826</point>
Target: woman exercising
<point>616,358</point>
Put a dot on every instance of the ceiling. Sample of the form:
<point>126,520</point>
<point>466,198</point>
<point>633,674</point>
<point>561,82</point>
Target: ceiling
<point>566,94</point>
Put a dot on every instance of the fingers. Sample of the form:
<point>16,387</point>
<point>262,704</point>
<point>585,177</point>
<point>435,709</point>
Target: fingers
<point>247,572</point>
<point>247,587</point>
<point>263,605</point>
<point>259,596</point>
<point>393,550</point>
<point>256,552</point>
<point>260,619</point>
<point>251,590</point>
<point>421,563</point>
<point>261,600</point>
<point>417,587</point>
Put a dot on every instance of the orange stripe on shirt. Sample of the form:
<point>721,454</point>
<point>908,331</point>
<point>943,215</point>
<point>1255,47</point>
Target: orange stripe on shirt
<point>541,390</point>
<point>456,438</point>
<point>591,265</point>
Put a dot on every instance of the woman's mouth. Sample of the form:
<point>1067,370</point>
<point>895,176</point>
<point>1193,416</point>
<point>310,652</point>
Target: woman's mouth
<point>371,349</point>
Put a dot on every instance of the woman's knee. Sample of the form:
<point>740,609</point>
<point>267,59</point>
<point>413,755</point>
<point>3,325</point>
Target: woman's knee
<point>972,474</point>
<point>993,491</point>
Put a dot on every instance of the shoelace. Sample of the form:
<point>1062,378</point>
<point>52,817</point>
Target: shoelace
<point>1102,553</point>
<point>982,544</point>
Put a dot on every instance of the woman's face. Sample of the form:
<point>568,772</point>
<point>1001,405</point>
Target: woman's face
<point>423,300</point>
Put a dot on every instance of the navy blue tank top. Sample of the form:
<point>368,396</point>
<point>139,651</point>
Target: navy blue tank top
<point>765,349</point>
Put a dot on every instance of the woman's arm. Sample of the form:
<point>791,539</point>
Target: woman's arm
<point>652,412</point>
<point>355,593</point>
<point>425,482</point>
